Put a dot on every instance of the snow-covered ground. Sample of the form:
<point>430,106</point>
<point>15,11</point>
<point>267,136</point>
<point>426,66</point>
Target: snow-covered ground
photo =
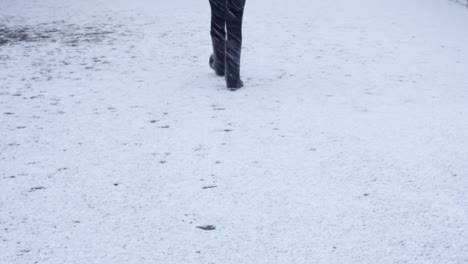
<point>349,143</point>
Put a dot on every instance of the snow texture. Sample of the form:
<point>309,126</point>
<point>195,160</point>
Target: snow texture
<point>348,144</point>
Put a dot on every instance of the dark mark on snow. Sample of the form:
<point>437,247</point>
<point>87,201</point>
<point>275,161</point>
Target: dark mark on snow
<point>207,227</point>
<point>57,31</point>
<point>210,187</point>
<point>36,189</point>
<point>190,218</point>
<point>164,126</point>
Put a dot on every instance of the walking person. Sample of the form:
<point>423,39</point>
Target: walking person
<point>226,36</point>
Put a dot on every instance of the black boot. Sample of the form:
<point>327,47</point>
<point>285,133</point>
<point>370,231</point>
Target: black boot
<point>217,59</point>
<point>232,70</point>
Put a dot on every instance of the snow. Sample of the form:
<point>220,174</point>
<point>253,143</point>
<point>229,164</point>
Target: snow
<point>348,144</point>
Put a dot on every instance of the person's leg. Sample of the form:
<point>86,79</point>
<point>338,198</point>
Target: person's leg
<point>235,12</point>
<point>218,35</point>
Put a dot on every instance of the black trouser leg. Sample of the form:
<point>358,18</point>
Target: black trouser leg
<point>235,12</point>
<point>218,35</point>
